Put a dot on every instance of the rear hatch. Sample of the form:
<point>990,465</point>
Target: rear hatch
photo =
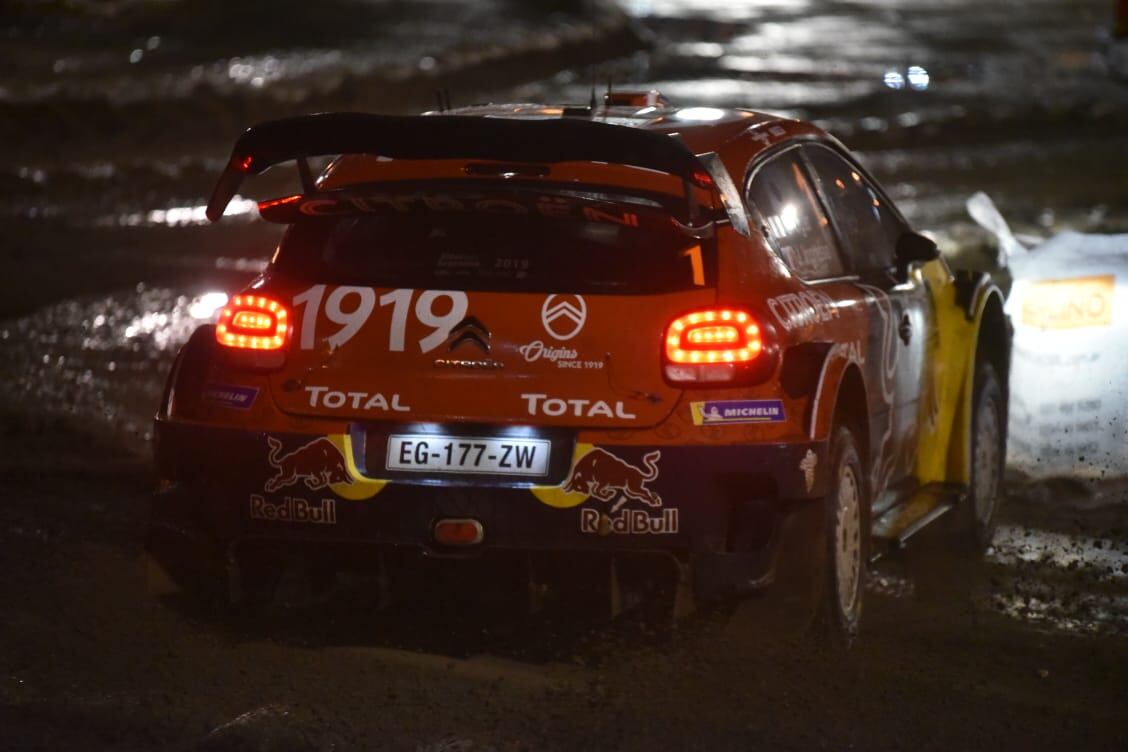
<point>495,302</point>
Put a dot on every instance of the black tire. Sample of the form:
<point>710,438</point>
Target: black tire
<point>978,514</point>
<point>847,541</point>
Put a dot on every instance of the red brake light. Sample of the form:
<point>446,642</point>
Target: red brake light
<point>714,336</point>
<point>713,345</point>
<point>253,322</point>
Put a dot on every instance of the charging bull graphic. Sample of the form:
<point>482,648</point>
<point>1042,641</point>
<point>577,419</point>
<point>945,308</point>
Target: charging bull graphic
<point>319,464</point>
<point>603,475</point>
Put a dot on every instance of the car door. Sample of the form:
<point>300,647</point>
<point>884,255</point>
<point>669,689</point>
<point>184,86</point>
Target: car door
<point>868,229</point>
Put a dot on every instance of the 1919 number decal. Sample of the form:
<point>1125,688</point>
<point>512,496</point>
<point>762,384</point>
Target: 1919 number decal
<point>350,308</point>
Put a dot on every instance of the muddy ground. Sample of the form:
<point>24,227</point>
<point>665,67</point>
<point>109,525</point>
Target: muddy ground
<point>94,656</point>
<point>118,117</point>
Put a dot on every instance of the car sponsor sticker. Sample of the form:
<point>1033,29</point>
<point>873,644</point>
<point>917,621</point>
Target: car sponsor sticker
<point>348,308</point>
<point>718,412</point>
<point>562,357</point>
<point>323,396</point>
<point>606,477</point>
<point>611,479</point>
<point>553,407</point>
<point>229,395</point>
<point>325,462</point>
<point>767,135</point>
<point>798,310</point>
<point>293,509</point>
<point>628,522</point>
<point>563,316</point>
<point>600,476</point>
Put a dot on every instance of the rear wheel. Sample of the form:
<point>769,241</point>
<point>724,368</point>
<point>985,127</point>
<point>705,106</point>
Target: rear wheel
<point>847,542</point>
<point>988,454</point>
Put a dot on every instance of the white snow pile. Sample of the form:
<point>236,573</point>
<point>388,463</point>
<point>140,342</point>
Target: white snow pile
<point>1069,376</point>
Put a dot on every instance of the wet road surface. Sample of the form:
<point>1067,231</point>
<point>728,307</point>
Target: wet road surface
<point>96,655</point>
<point>109,267</point>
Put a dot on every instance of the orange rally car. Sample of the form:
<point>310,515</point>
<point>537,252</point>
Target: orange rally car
<point>702,336</point>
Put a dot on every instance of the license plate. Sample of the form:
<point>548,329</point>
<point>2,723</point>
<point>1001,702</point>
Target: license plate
<point>428,453</point>
<point>1070,303</point>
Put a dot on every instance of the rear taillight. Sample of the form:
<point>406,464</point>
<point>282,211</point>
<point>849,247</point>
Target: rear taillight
<point>713,346</point>
<point>253,322</point>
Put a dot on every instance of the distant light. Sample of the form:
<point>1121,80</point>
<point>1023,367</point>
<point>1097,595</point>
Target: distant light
<point>177,216</point>
<point>894,80</point>
<point>783,224</point>
<point>135,56</point>
<point>205,306</point>
<point>790,217</point>
<point>701,49</point>
<point>700,113</point>
<point>918,78</point>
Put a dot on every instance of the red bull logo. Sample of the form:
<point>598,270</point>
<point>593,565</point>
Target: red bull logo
<point>629,522</point>
<point>604,476</point>
<point>293,509</point>
<point>318,464</point>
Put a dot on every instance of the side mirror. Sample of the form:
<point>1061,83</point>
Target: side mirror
<point>912,247</point>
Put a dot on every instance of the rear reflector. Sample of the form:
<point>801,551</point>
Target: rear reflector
<point>459,532</point>
<point>253,322</point>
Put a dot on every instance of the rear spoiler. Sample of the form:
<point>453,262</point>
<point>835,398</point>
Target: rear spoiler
<point>448,137</point>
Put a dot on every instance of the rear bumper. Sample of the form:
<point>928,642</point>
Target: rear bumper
<point>728,509</point>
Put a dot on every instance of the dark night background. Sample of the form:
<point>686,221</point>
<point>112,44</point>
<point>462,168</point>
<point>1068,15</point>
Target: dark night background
<point>117,116</point>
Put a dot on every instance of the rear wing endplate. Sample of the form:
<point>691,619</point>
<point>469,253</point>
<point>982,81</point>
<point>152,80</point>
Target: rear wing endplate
<point>449,137</point>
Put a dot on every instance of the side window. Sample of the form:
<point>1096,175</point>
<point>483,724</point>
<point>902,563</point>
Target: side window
<point>792,218</point>
<point>869,230</point>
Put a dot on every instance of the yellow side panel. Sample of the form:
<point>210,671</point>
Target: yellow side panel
<point>942,454</point>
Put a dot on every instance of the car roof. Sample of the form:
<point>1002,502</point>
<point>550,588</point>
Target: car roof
<point>702,129</point>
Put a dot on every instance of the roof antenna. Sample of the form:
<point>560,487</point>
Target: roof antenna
<point>439,99</point>
<point>446,95</point>
<point>591,60</point>
<point>308,184</point>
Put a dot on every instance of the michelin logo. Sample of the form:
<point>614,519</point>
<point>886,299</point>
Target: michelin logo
<point>737,411</point>
<point>238,397</point>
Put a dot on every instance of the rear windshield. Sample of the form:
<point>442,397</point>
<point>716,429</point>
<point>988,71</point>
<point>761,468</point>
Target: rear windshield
<point>517,241</point>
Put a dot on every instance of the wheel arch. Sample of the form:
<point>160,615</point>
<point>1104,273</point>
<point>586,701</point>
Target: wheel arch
<point>842,378</point>
<point>991,330</point>
<point>852,409</point>
<point>186,378</point>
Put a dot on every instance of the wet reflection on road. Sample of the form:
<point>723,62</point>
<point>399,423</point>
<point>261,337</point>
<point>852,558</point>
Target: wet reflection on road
<point>102,361</point>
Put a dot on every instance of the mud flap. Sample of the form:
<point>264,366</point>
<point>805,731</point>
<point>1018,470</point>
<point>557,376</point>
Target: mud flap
<point>800,563</point>
<point>180,555</point>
